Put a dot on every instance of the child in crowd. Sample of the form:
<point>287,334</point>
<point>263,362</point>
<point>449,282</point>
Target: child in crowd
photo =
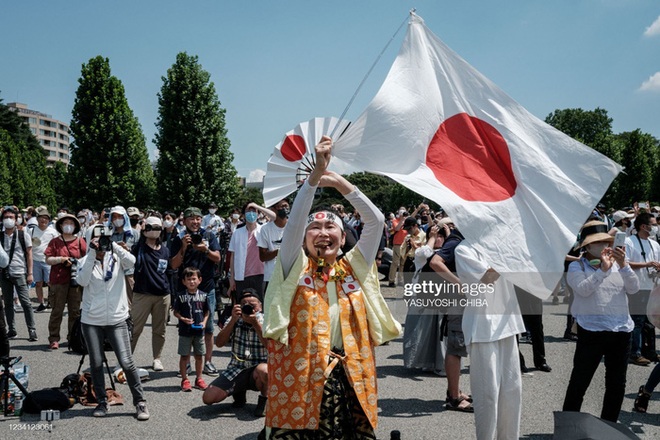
<point>192,311</point>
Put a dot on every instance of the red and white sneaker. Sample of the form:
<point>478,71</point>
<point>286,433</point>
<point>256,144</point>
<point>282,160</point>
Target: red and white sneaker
<point>200,384</point>
<point>185,385</point>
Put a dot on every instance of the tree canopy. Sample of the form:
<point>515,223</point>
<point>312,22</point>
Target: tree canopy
<point>109,159</point>
<point>194,165</point>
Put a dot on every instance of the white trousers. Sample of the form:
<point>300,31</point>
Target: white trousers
<point>496,388</point>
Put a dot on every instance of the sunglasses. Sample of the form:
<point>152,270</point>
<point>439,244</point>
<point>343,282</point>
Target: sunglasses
<point>148,228</point>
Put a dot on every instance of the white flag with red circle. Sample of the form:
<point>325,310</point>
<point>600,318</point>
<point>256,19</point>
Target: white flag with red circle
<point>518,189</point>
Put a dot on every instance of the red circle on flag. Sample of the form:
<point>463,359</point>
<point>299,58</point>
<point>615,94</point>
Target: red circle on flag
<point>351,286</point>
<point>471,158</point>
<point>293,148</point>
<point>307,280</point>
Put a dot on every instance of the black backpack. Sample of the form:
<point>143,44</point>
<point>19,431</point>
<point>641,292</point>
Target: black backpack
<point>50,398</point>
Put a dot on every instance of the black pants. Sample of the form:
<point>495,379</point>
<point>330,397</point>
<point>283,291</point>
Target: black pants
<point>4,340</point>
<point>531,308</point>
<point>591,347</point>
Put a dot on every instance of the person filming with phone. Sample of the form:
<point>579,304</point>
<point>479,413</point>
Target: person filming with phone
<point>247,369</point>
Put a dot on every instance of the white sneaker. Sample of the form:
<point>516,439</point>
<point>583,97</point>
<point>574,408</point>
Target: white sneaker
<point>158,365</point>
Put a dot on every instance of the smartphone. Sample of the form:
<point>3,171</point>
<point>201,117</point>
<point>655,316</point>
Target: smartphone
<point>643,205</point>
<point>619,239</point>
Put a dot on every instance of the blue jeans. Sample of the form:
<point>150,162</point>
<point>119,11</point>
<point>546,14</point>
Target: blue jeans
<point>20,282</point>
<point>118,337</point>
<point>210,302</point>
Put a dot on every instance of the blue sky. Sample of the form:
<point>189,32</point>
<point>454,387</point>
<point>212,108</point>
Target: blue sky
<point>278,63</point>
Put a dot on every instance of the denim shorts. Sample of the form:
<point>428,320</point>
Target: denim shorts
<point>40,271</point>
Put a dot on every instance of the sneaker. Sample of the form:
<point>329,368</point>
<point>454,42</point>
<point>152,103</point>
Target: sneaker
<point>210,369</point>
<point>185,385</point>
<point>54,345</point>
<point>141,411</point>
<point>11,334</point>
<point>188,371</point>
<point>33,336</point>
<point>639,360</point>
<point>158,365</point>
<point>200,384</point>
<point>101,410</point>
<point>260,410</point>
<point>18,308</point>
<point>41,308</point>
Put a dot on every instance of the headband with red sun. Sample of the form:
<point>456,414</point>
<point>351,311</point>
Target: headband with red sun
<point>323,216</point>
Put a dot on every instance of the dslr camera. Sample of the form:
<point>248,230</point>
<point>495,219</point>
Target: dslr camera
<point>247,309</point>
<point>103,233</point>
<point>74,272</point>
<point>196,238</point>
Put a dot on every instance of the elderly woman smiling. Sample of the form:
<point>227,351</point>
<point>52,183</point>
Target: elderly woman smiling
<point>324,314</point>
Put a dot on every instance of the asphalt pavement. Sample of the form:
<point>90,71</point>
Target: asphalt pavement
<point>409,401</point>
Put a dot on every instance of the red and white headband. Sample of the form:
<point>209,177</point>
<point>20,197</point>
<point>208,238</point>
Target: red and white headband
<point>323,216</point>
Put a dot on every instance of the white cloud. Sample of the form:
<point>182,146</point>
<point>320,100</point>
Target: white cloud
<point>652,84</point>
<point>256,175</point>
<point>654,29</point>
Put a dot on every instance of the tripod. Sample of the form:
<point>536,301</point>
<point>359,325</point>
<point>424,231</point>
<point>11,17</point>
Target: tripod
<point>107,368</point>
<point>8,362</point>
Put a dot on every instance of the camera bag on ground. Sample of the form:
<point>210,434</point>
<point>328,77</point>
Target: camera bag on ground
<point>50,398</point>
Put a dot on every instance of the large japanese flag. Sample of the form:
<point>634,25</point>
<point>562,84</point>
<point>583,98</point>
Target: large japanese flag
<point>518,189</point>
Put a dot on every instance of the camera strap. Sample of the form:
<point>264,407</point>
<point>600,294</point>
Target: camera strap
<point>644,254</point>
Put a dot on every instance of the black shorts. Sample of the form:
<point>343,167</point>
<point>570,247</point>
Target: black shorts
<point>244,381</point>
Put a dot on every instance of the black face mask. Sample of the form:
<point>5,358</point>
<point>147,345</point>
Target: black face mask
<point>134,222</point>
<point>283,213</point>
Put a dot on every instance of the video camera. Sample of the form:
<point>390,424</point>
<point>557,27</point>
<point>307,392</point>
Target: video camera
<point>103,233</point>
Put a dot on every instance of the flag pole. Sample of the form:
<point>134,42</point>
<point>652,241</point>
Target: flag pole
<point>350,102</point>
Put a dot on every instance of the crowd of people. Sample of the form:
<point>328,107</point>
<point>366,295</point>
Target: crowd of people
<point>305,306</point>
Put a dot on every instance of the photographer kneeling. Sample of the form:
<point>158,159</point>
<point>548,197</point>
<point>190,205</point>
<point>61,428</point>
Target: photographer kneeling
<point>247,369</point>
<point>104,315</point>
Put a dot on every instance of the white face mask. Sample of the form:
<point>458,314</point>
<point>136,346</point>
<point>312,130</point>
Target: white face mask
<point>68,229</point>
<point>596,249</point>
<point>235,216</point>
<point>118,223</point>
<point>152,234</point>
<point>81,220</point>
<point>19,221</point>
<point>9,223</point>
<point>654,230</point>
<point>168,224</point>
<point>212,211</point>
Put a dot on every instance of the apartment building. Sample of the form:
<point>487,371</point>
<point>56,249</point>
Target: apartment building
<point>53,135</point>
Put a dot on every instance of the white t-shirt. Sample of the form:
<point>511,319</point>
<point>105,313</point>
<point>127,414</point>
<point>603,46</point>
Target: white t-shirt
<point>18,263</point>
<point>238,245</point>
<point>634,255</point>
<point>501,317</point>
<point>40,240</point>
<point>270,238</point>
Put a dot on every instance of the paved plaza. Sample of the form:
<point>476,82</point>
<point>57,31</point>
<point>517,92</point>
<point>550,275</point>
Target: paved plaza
<point>411,402</point>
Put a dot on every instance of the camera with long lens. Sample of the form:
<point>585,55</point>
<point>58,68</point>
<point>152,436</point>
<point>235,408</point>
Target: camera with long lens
<point>104,234</point>
<point>247,309</point>
<point>74,272</point>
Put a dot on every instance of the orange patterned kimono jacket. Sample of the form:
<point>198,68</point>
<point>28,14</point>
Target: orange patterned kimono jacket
<point>297,371</point>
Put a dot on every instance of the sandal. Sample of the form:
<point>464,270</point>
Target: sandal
<point>459,404</point>
<point>642,400</point>
<point>467,397</point>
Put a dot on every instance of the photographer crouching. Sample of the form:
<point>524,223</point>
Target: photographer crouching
<point>104,315</point>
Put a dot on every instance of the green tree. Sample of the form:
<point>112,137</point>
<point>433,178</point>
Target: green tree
<point>640,159</point>
<point>194,165</point>
<point>58,177</point>
<point>109,158</point>
<point>22,163</point>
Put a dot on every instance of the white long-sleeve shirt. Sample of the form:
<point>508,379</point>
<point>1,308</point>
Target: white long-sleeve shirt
<point>104,302</point>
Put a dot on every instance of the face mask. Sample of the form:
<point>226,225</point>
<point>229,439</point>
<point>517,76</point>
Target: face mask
<point>251,217</point>
<point>283,213</point>
<point>596,249</point>
<point>19,220</point>
<point>134,222</point>
<point>212,211</point>
<point>654,230</point>
<point>235,216</point>
<point>152,234</point>
<point>68,229</point>
<point>96,217</point>
<point>81,220</point>
<point>118,223</point>
<point>9,223</point>
<point>167,224</point>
